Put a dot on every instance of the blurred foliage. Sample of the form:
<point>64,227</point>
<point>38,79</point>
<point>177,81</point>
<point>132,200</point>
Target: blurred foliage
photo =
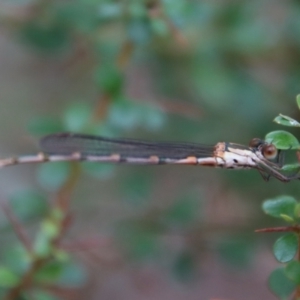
<point>187,70</point>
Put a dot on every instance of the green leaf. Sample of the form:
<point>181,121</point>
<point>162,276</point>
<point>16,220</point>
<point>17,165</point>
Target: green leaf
<point>137,9</point>
<point>81,16</point>
<point>280,205</point>
<point>292,271</point>
<point>184,267</point>
<point>109,11</point>
<point>42,244</point>
<point>286,121</point>
<point>151,117</point>
<point>44,125</point>
<point>297,210</point>
<point>126,114</point>
<point>8,279</point>
<point>28,204</point>
<point>109,79</point>
<point>286,247</point>
<point>280,285</point>
<point>16,257</point>
<point>123,114</point>
<point>45,37</point>
<point>138,240</point>
<point>291,167</point>
<point>139,30</point>
<point>298,100</point>
<point>77,116</point>
<point>57,215</point>
<point>287,218</point>
<point>61,255</point>
<point>282,140</point>
<point>42,295</point>
<point>53,175</point>
<point>51,229</point>
<point>49,273</point>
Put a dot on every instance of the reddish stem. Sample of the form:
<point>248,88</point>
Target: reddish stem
<point>295,228</point>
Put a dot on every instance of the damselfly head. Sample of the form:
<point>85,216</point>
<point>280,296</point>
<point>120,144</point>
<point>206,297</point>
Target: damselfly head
<point>269,151</point>
<point>256,142</point>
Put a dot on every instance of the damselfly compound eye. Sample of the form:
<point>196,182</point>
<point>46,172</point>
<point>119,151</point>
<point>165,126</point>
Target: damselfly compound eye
<point>254,143</point>
<point>269,151</point>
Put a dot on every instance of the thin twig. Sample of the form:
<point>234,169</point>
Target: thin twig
<point>17,227</point>
<point>295,229</point>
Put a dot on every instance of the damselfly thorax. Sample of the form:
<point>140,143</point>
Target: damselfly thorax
<point>81,147</point>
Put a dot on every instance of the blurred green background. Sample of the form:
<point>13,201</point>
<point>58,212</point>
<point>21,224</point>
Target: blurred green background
<point>168,70</point>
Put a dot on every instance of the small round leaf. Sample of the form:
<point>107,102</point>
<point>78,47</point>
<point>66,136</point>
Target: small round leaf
<point>286,121</point>
<point>292,271</point>
<point>43,295</point>
<point>49,273</point>
<point>77,117</point>
<point>279,284</point>
<point>287,218</point>
<point>46,37</point>
<point>282,205</point>
<point>282,140</point>
<point>42,245</point>
<point>297,210</point>
<point>109,79</point>
<point>8,279</point>
<point>285,248</point>
<point>291,167</point>
<point>73,275</point>
<point>298,100</point>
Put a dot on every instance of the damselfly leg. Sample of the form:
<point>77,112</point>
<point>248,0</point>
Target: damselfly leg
<point>278,164</point>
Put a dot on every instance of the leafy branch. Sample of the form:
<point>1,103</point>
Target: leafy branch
<point>285,280</point>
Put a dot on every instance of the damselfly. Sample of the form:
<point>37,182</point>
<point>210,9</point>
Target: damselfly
<point>260,155</point>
